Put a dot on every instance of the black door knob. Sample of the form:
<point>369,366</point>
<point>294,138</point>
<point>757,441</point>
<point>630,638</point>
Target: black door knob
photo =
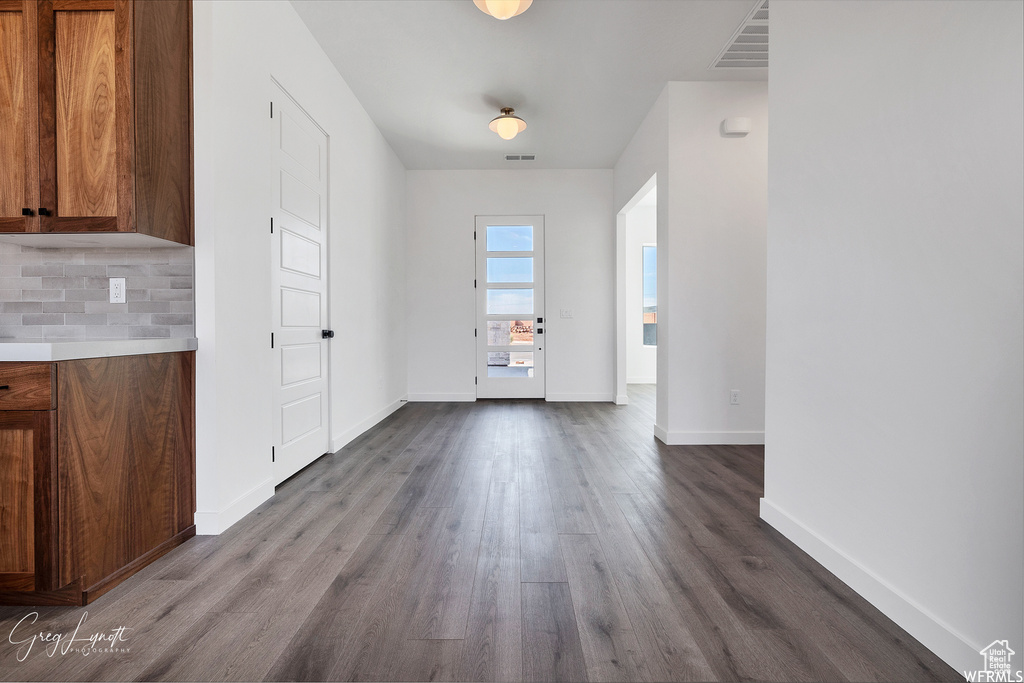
<point>328,334</point>
<point>28,212</point>
<point>44,211</point>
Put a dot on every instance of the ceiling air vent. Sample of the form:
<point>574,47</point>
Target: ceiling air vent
<point>520,157</point>
<point>748,47</point>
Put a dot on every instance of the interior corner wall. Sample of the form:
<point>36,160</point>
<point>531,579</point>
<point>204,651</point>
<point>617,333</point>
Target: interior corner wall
<point>579,256</point>
<point>895,354</point>
<point>239,47</point>
<point>641,361</point>
<point>712,213</point>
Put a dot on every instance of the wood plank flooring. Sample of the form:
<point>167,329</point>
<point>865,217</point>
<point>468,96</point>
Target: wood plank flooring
<point>495,541</point>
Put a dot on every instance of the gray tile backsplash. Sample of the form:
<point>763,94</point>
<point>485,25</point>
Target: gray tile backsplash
<point>62,293</point>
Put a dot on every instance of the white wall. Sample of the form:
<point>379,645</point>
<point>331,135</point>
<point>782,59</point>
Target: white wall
<point>238,47</point>
<point>715,263</point>
<point>895,445</point>
<point>579,275</point>
<point>712,207</point>
<point>641,361</point>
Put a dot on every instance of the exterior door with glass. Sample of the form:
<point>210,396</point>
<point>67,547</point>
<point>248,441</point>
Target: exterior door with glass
<point>510,306</point>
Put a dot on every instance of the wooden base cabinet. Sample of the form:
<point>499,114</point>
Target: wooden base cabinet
<point>97,477</point>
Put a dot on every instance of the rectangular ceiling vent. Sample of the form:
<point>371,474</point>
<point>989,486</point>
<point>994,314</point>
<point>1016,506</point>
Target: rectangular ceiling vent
<point>748,47</point>
<point>520,157</point>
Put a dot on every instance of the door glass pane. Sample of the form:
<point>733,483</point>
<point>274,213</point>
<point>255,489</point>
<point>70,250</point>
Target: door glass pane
<point>509,332</point>
<point>510,364</point>
<point>650,290</point>
<point>509,238</point>
<point>509,301</point>
<point>510,270</point>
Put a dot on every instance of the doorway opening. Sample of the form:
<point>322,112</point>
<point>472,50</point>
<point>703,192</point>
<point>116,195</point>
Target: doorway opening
<point>636,294</point>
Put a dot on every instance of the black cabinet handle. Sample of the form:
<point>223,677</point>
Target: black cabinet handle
<point>328,334</point>
<point>44,211</point>
<point>28,212</point>
<point>5,386</point>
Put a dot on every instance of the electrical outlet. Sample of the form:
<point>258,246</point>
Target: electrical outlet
<point>565,313</point>
<point>734,397</point>
<point>118,290</point>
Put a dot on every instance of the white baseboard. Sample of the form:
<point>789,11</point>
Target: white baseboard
<point>661,435</point>
<point>346,437</point>
<point>641,380</point>
<point>934,634</point>
<point>213,523</point>
<point>622,400</point>
<point>709,438</point>
<point>604,397</point>
<point>442,398</point>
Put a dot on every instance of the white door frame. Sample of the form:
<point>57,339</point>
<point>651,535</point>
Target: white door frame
<point>277,93</point>
<point>620,289</point>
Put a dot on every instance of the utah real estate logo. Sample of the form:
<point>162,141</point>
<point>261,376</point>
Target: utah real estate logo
<point>998,665</point>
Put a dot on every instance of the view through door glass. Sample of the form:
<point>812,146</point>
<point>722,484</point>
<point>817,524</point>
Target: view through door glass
<point>510,309</point>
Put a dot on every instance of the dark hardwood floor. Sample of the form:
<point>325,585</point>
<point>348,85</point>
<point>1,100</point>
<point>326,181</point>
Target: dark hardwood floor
<point>495,541</point>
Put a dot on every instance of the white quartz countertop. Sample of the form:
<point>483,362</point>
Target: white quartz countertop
<point>71,349</point>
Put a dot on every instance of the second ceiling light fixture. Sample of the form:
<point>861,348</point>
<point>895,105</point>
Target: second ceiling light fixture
<point>508,125</point>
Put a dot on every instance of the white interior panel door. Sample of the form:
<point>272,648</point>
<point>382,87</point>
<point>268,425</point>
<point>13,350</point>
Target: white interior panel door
<point>510,306</point>
<point>299,281</point>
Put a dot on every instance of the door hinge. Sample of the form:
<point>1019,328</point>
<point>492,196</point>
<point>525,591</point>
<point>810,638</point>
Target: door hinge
<point>474,284</point>
<point>273,455</point>
<point>474,234</point>
<point>271,340</point>
<point>271,109</point>
<point>476,380</point>
<point>474,331</point>
<point>271,225</point>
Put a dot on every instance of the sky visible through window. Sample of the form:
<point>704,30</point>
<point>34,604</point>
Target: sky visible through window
<point>509,302</point>
<point>509,238</point>
<point>650,276</point>
<point>510,269</point>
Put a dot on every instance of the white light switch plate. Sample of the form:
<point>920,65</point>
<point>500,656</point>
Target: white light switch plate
<point>565,313</point>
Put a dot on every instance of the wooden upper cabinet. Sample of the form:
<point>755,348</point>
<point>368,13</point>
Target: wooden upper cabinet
<point>101,117</point>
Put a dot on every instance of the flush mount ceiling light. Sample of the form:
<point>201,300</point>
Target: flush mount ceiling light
<point>503,9</point>
<point>508,125</point>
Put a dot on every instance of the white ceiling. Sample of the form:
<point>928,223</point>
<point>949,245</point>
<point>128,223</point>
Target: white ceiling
<point>582,73</point>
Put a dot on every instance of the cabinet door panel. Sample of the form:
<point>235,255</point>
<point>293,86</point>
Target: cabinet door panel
<point>18,158</point>
<point>18,443</point>
<point>86,128</point>
<point>86,91</point>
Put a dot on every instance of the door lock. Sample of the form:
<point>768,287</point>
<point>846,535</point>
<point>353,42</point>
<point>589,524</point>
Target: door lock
<point>328,334</point>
